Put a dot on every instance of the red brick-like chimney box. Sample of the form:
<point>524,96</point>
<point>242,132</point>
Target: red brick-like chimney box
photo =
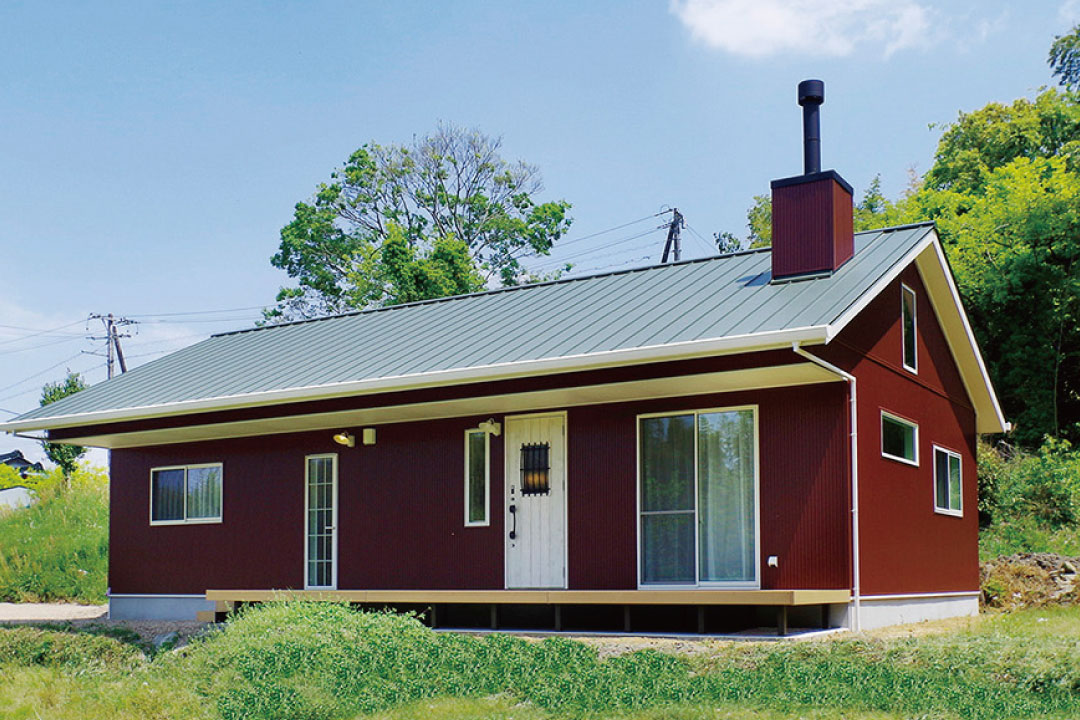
<point>812,224</point>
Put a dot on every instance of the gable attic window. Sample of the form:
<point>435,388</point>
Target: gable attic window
<point>899,439</point>
<point>907,313</point>
<point>477,477</point>
<point>185,494</point>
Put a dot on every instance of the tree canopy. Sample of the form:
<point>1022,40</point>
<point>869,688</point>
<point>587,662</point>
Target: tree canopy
<point>441,216</point>
<point>65,456</point>
<point>1064,58</point>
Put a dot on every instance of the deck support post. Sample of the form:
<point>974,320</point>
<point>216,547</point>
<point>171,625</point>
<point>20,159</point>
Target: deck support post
<point>700,619</point>
<point>626,618</point>
<point>824,617</point>
<point>494,616</point>
<point>558,618</point>
<point>781,620</point>
<point>433,616</point>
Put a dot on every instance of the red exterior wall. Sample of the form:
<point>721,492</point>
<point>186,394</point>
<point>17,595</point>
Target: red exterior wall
<point>812,227</point>
<point>905,546</point>
<point>401,504</point>
<point>401,501</point>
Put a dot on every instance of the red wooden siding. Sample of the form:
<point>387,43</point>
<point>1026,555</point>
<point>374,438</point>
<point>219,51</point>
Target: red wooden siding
<point>401,504</point>
<point>812,227</point>
<point>906,547</point>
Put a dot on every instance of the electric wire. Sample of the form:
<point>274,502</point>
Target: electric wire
<point>40,332</point>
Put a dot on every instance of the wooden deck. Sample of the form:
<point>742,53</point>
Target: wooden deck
<point>787,598</point>
<point>226,600</point>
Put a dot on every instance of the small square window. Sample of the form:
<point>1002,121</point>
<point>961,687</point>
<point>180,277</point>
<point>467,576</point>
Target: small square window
<point>899,439</point>
<point>948,487</point>
<point>535,464</point>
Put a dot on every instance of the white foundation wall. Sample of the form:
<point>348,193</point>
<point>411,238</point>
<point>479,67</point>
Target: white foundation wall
<point>157,607</point>
<point>883,610</point>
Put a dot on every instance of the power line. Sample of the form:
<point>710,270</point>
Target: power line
<point>42,345</point>
<point>40,373</point>
<point>199,312</point>
<point>39,332</point>
<point>708,246</point>
<point>551,262</point>
<point>611,229</point>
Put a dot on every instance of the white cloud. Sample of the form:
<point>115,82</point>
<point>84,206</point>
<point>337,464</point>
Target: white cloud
<point>759,28</point>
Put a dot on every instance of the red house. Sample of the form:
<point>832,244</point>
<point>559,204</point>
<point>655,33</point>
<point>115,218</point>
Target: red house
<point>683,446</point>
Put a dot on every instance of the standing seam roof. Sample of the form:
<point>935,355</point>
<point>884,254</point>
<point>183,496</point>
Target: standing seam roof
<point>705,299</point>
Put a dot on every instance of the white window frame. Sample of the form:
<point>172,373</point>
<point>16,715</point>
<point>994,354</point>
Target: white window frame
<point>954,512</point>
<point>333,457</point>
<point>487,479</point>
<point>915,440</point>
<point>186,520</point>
<point>904,292</point>
<point>698,584</point>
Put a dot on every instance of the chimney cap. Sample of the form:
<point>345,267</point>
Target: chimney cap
<point>811,92</point>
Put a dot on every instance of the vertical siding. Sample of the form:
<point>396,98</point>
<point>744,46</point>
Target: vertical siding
<point>812,228</point>
<point>906,546</point>
<point>401,501</point>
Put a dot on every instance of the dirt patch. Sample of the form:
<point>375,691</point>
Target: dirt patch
<point>149,631</point>
<point>1028,580</point>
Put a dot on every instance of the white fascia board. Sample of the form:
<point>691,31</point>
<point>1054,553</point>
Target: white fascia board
<point>750,342</point>
<point>991,419</point>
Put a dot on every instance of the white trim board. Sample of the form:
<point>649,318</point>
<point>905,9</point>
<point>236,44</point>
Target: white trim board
<point>791,375</point>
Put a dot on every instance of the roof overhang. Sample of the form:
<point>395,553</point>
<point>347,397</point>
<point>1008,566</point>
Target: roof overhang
<point>787,375</point>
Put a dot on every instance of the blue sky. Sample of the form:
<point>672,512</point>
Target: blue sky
<point>150,153</point>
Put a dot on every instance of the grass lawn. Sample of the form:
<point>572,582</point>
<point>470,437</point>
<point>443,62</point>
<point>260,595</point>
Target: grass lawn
<point>310,660</point>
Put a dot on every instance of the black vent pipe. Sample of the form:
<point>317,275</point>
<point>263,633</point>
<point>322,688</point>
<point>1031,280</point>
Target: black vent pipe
<point>811,96</point>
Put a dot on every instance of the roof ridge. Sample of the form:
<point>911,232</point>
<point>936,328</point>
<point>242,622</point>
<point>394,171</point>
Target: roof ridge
<point>495,291</point>
<point>529,286</point>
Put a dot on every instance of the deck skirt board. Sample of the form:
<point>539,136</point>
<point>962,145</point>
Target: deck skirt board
<point>546,597</point>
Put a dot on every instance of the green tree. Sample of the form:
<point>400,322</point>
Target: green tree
<point>1005,193</point>
<point>759,221</point>
<point>66,457</point>
<point>443,215</point>
<point>1064,58</point>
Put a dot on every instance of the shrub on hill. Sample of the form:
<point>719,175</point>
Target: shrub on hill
<point>58,548</point>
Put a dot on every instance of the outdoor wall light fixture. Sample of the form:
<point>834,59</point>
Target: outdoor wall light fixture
<point>345,438</point>
<point>491,427</point>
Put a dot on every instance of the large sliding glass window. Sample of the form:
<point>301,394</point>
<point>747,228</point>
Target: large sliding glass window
<point>698,487</point>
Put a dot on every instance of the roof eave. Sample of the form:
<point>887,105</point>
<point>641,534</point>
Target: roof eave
<point>751,342</point>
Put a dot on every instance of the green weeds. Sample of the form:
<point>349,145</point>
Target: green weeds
<point>57,549</point>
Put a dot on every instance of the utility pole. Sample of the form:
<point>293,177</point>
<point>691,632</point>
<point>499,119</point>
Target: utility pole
<point>676,224</point>
<point>113,351</point>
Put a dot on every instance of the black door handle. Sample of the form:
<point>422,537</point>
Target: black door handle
<point>513,512</point>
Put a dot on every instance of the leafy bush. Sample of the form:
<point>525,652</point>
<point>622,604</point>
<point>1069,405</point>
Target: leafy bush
<point>1029,502</point>
<point>57,549</point>
<point>10,477</point>
<point>74,650</point>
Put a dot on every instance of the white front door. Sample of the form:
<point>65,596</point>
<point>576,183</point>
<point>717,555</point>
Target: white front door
<point>320,521</point>
<point>536,501</point>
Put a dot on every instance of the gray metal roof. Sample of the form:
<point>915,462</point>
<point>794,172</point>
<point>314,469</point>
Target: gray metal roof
<point>729,295</point>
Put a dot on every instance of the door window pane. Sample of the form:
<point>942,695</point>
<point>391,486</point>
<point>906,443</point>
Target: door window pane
<point>726,496</point>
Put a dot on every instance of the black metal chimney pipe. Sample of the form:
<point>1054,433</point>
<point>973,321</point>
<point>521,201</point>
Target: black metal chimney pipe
<point>811,96</point>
